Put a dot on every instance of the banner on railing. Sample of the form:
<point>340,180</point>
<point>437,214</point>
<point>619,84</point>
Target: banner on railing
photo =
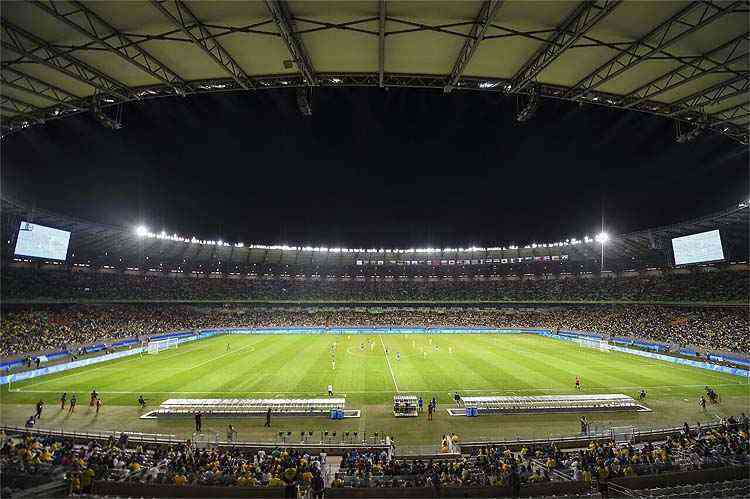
<point>651,355</point>
<point>35,373</point>
<point>685,362</point>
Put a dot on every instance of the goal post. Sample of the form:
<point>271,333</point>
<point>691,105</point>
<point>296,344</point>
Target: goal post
<point>596,343</point>
<point>154,347</point>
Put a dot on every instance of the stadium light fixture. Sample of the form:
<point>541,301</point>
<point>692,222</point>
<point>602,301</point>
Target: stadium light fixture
<point>529,110</point>
<point>602,238</point>
<point>141,231</point>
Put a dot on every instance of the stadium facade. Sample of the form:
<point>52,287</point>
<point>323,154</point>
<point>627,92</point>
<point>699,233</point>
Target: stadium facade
<point>99,247</point>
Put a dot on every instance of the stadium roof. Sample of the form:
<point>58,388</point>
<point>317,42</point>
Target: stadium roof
<point>687,61</point>
<point>102,244</point>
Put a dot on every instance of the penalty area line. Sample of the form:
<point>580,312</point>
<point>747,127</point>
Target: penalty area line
<point>47,378</point>
<point>214,359</point>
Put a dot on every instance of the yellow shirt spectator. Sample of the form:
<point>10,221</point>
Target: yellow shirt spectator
<point>87,477</point>
<point>275,482</point>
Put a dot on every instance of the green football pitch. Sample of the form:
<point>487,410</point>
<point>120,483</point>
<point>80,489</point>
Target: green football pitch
<point>368,371</point>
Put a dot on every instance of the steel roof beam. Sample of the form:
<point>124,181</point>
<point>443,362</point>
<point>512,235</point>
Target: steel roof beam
<point>202,38</point>
<point>17,105</point>
<point>140,38</point>
<point>13,78</point>
<point>325,26</point>
<point>426,27</point>
<point>381,40</point>
<point>728,115</point>
<point>476,35</point>
<point>39,51</point>
<point>41,116</point>
<point>736,51</point>
<point>712,95</point>
<point>13,113</point>
<point>137,38</point>
<point>510,32</point>
<point>495,85</point>
<point>280,12</point>
<point>88,23</point>
<point>694,16</point>
<point>583,18</point>
<point>665,54</point>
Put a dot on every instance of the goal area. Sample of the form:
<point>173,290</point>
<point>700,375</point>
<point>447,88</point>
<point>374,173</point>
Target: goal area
<point>154,347</point>
<point>602,345</point>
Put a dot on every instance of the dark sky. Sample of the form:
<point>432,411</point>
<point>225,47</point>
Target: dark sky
<point>373,168</point>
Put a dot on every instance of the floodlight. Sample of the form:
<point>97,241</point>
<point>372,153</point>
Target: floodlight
<point>529,110</point>
<point>141,231</point>
<point>602,237</point>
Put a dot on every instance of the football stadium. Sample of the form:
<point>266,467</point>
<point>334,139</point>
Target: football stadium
<point>375,249</point>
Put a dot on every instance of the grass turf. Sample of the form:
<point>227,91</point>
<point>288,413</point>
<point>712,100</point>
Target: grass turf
<point>300,366</point>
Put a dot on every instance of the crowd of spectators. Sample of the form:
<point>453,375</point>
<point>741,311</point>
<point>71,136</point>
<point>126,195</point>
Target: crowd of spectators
<point>47,328</point>
<point>492,466</point>
<point>717,286</point>
<point>182,465</point>
<point>695,448</point>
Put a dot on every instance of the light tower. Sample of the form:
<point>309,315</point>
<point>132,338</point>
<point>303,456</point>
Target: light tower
<point>602,238</point>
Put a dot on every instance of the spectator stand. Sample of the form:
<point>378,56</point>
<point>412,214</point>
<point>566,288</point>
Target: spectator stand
<point>250,408</point>
<point>546,404</point>
<point>336,445</point>
<point>405,406</point>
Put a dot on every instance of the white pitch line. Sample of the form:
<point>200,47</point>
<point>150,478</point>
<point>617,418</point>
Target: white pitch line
<point>250,348</point>
<point>201,364</point>
<point>385,352</point>
<point>108,367</point>
<point>78,373</point>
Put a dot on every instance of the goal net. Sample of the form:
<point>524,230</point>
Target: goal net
<point>602,345</point>
<point>157,346</point>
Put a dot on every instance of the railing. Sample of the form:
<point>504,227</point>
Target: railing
<point>557,474</point>
<point>57,488</point>
<point>362,441</point>
<point>96,435</point>
<point>582,440</point>
<point>213,440</point>
<point>622,491</point>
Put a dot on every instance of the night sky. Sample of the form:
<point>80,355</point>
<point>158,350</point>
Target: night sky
<point>373,168</point>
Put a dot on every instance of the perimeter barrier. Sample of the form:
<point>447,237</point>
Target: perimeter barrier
<point>43,371</point>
